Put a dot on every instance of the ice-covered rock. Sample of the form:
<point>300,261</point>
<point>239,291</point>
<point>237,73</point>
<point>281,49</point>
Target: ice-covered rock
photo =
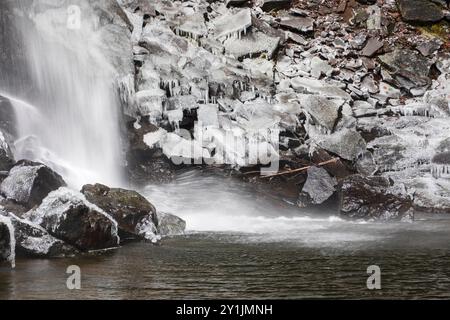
<point>369,198</point>
<point>311,85</point>
<point>67,215</point>
<point>135,215</point>
<point>251,45</point>
<point>29,182</point>
<point>318,188</point>
<point>323,112</point>
<point>34,241</point>
<point>170,225</point>
<point>346,143</point>
<point>232,25</point>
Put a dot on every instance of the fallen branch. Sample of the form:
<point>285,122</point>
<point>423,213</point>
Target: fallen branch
<point>334,160</point>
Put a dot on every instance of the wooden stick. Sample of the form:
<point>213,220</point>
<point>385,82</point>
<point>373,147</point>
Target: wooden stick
<point>334,160</point>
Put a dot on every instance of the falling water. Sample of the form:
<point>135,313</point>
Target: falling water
<point>68,119</point>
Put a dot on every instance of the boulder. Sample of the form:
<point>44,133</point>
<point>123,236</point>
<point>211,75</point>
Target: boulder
<point>408,68</point>
<point>7,243</point>
<point>34,241</point>
<point>268,5</point>
<point>135,215</point>
<point>420,11</point>
<point>370,198</point>
<point>68,216</point>
<point>318,188</point>
<point>324,112</point>
<point>28,183</point>
<point>170,225</point>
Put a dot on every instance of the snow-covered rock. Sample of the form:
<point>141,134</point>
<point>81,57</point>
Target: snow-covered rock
<point>29,182</point>
<point>34,241</point>
<point>67,215</point>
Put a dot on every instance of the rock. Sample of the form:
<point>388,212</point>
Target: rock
<point>252,45</point>
<point>320,67</point>
<point>368,198</point>
<point>232,24</point>
<point>408,68</point>
<point>421,11</point>
<point>34,241</point>
<point>6,157</point>
<point>372,47</point>
<point>276,4</point>
<point>336,169</point>
<point>347,144</point>
<point>298,24</point>
<point>68,216</point>
<point>29,182</point>
<point>323,111</point>
<point>135,215</point>
<point>146,164</point>
<point>7,240</point>
<point>237,3</point>
<point>170,225</point>
<point>427,48</point>
<point>318,188</point>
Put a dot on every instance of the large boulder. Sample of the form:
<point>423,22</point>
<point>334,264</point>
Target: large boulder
<point>135,215</point>
<point>370,198</point>
<point>420,11</point>
<point>28,183</point>
<point>34,241</point>
<point>68,216</point>
<point>170,225</point>
<point>7,246</point>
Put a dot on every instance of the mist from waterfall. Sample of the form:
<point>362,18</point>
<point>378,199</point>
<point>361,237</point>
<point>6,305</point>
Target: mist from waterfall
<point>69,118</point>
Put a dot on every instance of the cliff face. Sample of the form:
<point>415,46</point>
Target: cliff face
<point>353,80</point>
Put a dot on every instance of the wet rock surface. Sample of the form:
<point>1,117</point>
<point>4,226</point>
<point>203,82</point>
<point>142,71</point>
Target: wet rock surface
<point>370,198</point>
<point>135,215</point>
<point>170,225</point>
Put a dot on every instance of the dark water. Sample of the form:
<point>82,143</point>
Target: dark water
<point>226,266</point>
<point>241,245</point>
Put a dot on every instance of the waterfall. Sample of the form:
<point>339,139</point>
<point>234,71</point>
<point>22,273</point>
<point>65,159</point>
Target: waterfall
<point>69,117</point>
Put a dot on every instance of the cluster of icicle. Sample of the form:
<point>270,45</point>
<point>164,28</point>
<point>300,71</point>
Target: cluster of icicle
<point>12,240</point>
<point>440,170</point>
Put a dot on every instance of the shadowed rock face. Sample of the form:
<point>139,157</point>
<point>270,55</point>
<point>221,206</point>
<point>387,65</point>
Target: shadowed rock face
<point>135,215</point>
<point>5,241</point>
<point>421,11</point>
<point>369,198</point>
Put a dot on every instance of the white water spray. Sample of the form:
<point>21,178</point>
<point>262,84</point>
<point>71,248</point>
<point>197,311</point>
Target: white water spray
<point>70,120</point>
